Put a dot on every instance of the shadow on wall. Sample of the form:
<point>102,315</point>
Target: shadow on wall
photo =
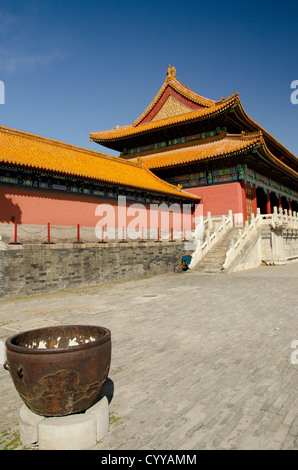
<point>9,212</point>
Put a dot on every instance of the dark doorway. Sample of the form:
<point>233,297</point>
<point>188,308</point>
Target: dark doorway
<point>284,202</point>
<point>294,206</point>
<point>261,200</point>
<point>274,201</point>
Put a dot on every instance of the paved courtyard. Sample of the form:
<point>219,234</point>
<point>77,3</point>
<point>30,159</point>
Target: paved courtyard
<point>199,361</point>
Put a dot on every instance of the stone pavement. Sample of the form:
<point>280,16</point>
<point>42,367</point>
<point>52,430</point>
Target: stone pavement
<point>199,361</point>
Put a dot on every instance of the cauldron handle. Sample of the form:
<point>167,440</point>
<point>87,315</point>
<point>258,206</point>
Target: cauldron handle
<point>20,372</point>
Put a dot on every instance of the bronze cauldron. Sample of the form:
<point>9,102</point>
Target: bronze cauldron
<point>59,370</point>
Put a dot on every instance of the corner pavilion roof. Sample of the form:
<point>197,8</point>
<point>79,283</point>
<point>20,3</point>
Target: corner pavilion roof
<point>26,150</point>
<point>228,145</point>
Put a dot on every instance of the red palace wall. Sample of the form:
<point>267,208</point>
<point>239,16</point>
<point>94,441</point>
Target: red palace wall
<point>28,206</point>
<point>35,207</point>
<point>219,199</point>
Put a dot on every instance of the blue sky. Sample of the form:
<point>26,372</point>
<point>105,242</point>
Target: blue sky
<point>74,67</point>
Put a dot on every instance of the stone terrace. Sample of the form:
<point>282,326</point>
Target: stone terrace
<point>199,361</point>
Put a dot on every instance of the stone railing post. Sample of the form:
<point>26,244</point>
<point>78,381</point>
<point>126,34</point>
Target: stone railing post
<point>207,236</point>
<point>230,216</point>
<point>275,215</point>
<point>209,221</point>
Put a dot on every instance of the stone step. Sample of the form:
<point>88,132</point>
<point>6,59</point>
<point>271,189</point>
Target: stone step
<point>214,259</point>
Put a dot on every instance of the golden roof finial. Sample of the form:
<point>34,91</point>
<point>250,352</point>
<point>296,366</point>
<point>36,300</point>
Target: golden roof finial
<point>171,72</point>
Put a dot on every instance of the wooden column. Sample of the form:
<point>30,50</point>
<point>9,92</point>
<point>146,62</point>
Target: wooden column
<point>254,192</point>
<point>268,204</point>
<point>243,193</point>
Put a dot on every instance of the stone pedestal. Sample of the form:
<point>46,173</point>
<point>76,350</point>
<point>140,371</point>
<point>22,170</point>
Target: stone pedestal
<point>73,432</point>
<point>277,245</point>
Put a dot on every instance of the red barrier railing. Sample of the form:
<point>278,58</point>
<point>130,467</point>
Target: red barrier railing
<point>49,237</point>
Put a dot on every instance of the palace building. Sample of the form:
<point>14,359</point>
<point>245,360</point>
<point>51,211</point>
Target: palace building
<point>183,150</point>
<point>210,147</point>
<point>44,181</point>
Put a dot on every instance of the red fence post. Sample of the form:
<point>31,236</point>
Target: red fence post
<point>142,240</point>
<point>49,235</point>
<point>15,237</point>
<point>102,235</point>
<point>123,238</point>
<point>172,236</point>
<point>78,236</point>
<point>185,239</point>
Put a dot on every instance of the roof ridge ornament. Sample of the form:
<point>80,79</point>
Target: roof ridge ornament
<point>171,72</point>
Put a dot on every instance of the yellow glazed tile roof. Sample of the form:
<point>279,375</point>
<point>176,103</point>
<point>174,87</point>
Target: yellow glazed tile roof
<point>130,130</point>
<point>208,108</point>
<point>31,151</point>
<point>172,82</point>
<point>117,136</point>
<point>230,144</point>
<point>292,160</point>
